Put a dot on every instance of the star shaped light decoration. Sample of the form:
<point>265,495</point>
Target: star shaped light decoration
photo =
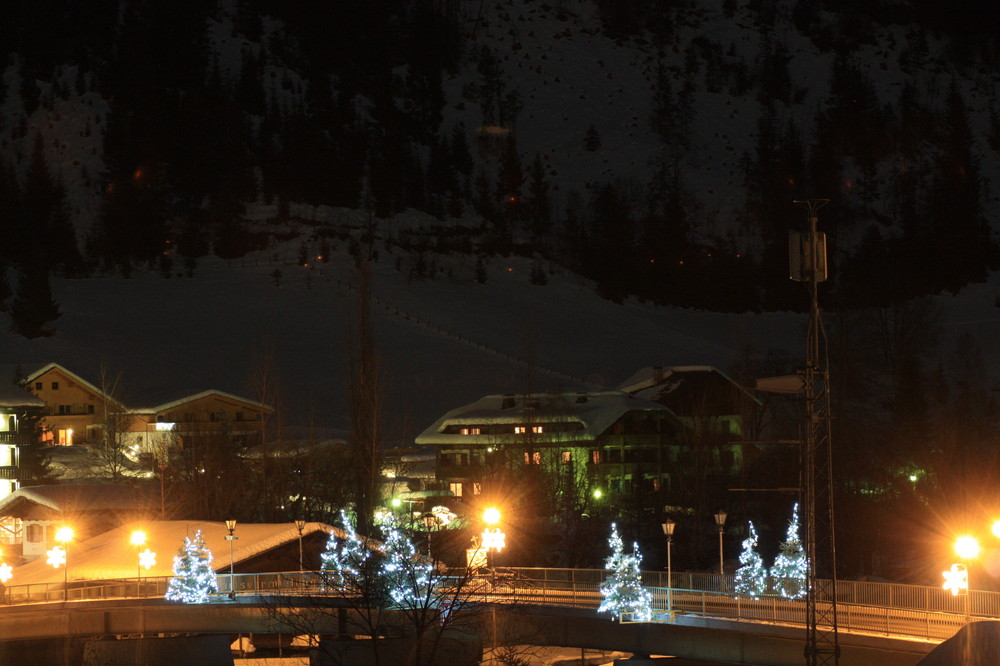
<point>956,579</point>
<point>57,557</point>
<point>6,572</point>
<point>147,558</point>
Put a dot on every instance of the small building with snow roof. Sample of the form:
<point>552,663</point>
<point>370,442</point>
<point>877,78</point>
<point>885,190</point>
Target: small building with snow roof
<point>258,548</point>
<point>30,516</point>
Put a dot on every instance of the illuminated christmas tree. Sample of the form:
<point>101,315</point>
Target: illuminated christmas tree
<point>791,566</point>
<point>193,579</point>
<point>408,577</point>
<point>751,577</point>
<point>622,589</point>
<point>344,560</point>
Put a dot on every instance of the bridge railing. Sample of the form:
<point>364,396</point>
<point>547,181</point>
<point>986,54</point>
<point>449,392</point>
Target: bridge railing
<point>885,608</point>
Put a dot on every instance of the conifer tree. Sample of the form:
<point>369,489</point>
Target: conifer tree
<point>194,580</point>
<point>622,589</point>
<point>791,566</point>
<point>751,577</point>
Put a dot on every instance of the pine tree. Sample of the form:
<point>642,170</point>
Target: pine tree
<point>194,580</point>
<point>751,577</point>
<point>790,566</point>
<point>622,589</point>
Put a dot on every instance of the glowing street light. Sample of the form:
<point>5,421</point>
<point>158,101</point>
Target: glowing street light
<point>491,516</point>
<point>138,539</point>
<point>59,556</point>
<point>493,538</point>
<point>967,547</point>
<point>958,579</point>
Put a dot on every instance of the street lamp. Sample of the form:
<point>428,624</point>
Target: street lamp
<point>137,539</point>
<point>493,538</point>
<point>668,529</point>
<point>957,579</point>
<point>720,520</point>
<point>63,535</point>
<point>300,525</point>
<point>231,526</point>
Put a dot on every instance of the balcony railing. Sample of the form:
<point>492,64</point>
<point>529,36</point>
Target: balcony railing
<point>15,438</point>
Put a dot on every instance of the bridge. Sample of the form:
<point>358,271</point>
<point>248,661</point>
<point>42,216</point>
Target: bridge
<point>698,617</point>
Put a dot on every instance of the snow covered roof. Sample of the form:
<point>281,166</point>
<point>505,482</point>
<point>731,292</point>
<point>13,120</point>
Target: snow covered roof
<point>156,406</point>
<point>112,555</point>
<point>36,372</point>
<point>12,396</point>
<point>71,499</point>
<point>665,385</point>
<point>592,414</point>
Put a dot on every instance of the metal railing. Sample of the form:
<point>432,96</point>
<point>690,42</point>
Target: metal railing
<point>882,608</point>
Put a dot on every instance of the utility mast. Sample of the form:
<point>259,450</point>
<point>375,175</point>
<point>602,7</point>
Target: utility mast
<point>807,263</point>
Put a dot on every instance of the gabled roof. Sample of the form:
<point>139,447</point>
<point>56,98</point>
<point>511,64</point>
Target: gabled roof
<point>154,403</point>
<point>111,555</point>
<point>34,374</point>
<point>680,386</point>
<point>75,499</point>
<point>12,396</point>
<point>594,412</point>
<point>191,397</point>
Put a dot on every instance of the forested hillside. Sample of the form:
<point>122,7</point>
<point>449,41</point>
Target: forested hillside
<point>144,133</point>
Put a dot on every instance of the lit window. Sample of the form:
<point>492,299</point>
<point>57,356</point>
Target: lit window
<point>567,457</point>
<point>477,489</point>
<point>34,533</point>
<point>456,489</point>
<point>470,431</point>
<point>595,457</point>
<point>532,457</point>
<point>536,429</point>
<point>65,437</point>
<point>520,430</point>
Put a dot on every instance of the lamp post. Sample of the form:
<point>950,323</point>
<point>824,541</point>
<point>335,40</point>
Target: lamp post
<point>493,539</point>
<point>137,539</point>
<point>231,526</point>
<point>967,548</point>
<point>64,535</point>
<point>668,530</point>
<point>720,520</point>
<point>300,525</point>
